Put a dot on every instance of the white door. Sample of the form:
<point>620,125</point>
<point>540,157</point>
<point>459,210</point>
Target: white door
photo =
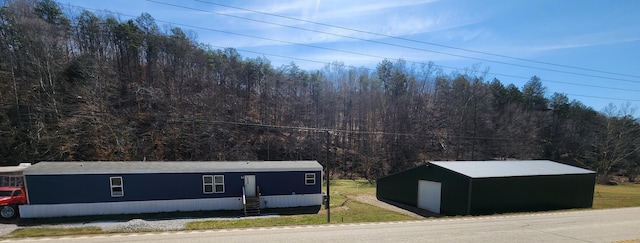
<point>429,193</point>
<point>250,185</point>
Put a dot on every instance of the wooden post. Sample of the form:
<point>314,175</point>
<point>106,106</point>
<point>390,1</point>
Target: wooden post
<point>328,181</point>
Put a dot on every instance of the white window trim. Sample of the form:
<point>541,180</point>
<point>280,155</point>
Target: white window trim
<point>112,186</point>
<point>215,188</point>
<point>205,184</point>
<point>306,178</point>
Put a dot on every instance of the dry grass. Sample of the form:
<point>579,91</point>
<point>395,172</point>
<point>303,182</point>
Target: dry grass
<point>48,232</point>
<point>342,210</point>
<point>626,195</point>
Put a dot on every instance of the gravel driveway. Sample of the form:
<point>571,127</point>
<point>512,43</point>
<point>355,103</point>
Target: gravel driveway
<point>7,227</point>
<point>153,224</point>
<point>403,209</point>
<point>130,225</point>
<point>179,223</point>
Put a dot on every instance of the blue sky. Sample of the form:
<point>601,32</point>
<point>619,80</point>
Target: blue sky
<point>589,50</point>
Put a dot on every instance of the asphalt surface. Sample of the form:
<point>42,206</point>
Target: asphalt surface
<point>607,225</point>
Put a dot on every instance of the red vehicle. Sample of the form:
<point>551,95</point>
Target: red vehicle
<point>10,198</point>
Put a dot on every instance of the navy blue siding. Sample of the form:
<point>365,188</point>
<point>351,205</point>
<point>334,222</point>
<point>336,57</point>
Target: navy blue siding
<point>57,189</point>
<point>286,183</point>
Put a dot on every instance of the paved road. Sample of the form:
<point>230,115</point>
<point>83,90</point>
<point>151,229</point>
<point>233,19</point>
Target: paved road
<point>576,226</point>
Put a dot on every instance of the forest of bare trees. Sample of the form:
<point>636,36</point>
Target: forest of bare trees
<point>75,86</point>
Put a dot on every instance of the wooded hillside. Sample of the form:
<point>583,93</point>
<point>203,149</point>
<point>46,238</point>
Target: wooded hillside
<point>82,87</point>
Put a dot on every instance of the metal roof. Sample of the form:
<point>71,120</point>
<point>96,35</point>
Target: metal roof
<point>503,168</point>
<point>14,169</point>
<point>139,167</point>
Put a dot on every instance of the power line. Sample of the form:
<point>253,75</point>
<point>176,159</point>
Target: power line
<point>604,98</point>
<point>367,55</point>
<point>412,40</point>
<point>395,45</point>
<point>443,66</point>
<point>374,56</point>
<point>169,119</point>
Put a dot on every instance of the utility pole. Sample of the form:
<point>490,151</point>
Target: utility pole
<point>328,204</point>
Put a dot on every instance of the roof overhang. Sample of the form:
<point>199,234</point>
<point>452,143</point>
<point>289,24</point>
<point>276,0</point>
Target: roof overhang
<point>140,167</point>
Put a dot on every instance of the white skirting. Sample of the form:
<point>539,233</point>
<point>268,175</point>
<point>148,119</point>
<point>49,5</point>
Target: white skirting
<point>157,206</point>
<point>289,201</point>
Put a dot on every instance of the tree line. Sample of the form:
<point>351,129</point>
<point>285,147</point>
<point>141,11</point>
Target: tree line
<point>75,86</point>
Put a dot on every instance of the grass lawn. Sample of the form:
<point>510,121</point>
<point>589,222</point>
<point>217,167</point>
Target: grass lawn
<point>343,210</point>
<point>48,232</point>
<point>627,195</point>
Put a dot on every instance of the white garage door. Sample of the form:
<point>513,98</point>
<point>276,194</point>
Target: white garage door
<point>429,195</point>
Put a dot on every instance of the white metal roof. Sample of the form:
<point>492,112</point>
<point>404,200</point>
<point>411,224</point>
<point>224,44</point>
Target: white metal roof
<point>503,168</point>
<point>14,169</point>
<point>139,167</point>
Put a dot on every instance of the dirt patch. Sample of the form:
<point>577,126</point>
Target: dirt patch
<point>406,210</point>
<point>7,227</point>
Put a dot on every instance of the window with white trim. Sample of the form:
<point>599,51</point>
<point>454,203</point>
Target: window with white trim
<point>218,184</point>
<point>207,184</point>
<point>310,178</point>
<point>213,183</point>
<point>117,189</point>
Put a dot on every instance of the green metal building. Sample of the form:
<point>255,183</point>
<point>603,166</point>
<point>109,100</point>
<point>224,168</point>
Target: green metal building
<point>488,187</point>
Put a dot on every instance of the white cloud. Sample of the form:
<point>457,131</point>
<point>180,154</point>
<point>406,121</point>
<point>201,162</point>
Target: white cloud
<point>393,18</point>
<point>312,9</point>
<point>582,42</point>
